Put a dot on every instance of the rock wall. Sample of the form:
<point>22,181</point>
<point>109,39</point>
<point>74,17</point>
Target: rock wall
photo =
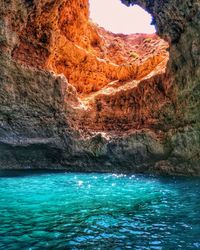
<point>178,22</point>
<point>114,112</point>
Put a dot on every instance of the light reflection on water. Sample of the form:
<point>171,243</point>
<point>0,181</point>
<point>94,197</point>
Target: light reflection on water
<point>99,211</point>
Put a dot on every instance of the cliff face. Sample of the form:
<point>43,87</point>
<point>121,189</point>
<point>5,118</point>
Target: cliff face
<point>178,22</point>
<point>76,97</point>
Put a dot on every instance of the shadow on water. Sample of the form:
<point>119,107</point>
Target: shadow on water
<point>27,172</point>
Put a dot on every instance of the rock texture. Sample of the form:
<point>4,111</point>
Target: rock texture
<point>74,96</point>
<point>58,38</point>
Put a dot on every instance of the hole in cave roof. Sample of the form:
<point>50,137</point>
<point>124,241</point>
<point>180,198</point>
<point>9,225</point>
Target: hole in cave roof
<point>118,18</point>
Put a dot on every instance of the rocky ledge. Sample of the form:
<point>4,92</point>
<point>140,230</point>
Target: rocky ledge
<point>76,97</point>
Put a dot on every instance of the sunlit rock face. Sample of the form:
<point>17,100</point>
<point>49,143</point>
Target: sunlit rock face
<point>60,37</point>
<point>106,69</point>
<point>76,97</point>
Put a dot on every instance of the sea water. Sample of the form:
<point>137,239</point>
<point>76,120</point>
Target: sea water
<point>98,211</point>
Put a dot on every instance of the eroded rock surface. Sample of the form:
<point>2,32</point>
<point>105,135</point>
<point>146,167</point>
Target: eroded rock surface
<point>76,97</point>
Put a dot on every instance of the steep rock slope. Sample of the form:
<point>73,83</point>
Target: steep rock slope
<point>120,111</point>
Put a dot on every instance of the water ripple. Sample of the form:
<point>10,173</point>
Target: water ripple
<point>99,211</point>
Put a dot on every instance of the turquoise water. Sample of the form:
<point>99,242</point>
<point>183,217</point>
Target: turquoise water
<point>99,211</point>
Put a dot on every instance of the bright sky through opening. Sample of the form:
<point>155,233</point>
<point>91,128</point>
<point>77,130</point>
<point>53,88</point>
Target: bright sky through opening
<point>118,18</point>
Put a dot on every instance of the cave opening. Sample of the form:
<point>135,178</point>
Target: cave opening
<point>118,18</point>
<point>122,46</point>
<point>122,85</point>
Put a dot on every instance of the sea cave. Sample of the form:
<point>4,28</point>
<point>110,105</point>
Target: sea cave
<point>99,125</point>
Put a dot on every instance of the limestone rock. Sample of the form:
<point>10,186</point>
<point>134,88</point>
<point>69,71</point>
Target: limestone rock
<point>74,96</point>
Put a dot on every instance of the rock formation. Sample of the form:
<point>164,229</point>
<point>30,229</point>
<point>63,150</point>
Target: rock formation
<point>76,97</point>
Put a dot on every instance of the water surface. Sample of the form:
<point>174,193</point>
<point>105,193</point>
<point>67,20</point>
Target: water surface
<point>98,211</point>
